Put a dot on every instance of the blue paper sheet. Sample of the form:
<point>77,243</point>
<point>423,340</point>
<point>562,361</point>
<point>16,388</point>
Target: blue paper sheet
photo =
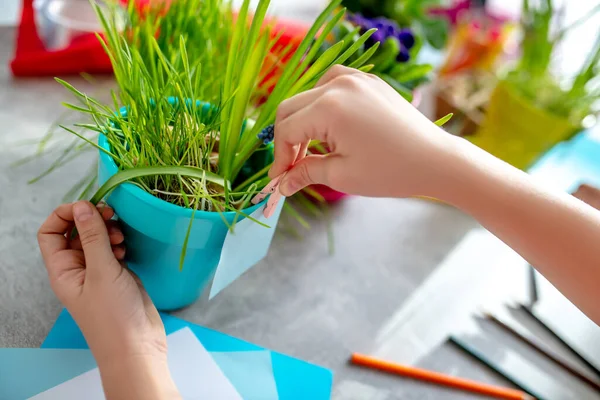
<point>244,248</point>
<point>295,379</point>
<point>27,372</point>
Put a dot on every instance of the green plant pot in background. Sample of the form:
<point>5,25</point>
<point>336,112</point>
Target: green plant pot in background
<point>518,132</point>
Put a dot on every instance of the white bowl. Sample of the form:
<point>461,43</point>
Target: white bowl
<point>59,22</point>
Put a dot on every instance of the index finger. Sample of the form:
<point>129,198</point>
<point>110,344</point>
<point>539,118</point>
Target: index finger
<point>293,134</point>
<point>51,235</point>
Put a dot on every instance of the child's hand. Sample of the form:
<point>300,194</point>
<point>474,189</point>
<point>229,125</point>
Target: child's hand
<point>381,146</point>
<point>108,303</point>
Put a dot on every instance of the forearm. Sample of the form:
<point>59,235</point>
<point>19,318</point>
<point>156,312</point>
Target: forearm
<point>140,378</point>
<point>555,232</point>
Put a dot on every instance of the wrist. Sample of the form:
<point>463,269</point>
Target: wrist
<point>469,178</point>
<point>448,168</point>
<point>457,170</point>
<point>112,346</point>
<point>137,377</point>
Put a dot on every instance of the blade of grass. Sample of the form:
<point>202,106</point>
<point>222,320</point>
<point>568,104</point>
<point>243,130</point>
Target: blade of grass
<point>442,121</point>
<point>365,56</point>
<point>187,237</point>
<point>296,215</point>
<point>133,173</point>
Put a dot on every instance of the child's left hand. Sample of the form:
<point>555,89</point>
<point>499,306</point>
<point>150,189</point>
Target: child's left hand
<point>115,314</point>
<point>87,274</point>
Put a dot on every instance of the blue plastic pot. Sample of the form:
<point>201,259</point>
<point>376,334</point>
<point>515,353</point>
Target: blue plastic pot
<point>155,230</point>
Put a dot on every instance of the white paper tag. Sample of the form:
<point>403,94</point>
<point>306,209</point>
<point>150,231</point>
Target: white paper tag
<point>244,248</point>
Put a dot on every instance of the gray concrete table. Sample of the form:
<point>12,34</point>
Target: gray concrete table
<point>299,300</point>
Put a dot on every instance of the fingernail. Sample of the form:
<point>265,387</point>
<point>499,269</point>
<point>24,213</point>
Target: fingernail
<point>289,187</point>
<point>82,211</point>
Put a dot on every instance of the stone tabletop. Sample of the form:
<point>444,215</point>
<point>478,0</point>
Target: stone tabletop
<point>299,300</point>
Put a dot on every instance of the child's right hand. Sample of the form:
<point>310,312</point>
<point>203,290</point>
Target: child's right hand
<point>381,146</point>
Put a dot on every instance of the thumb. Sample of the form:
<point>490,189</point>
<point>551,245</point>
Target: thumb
<point>93,235</point>
<point>311,170</point>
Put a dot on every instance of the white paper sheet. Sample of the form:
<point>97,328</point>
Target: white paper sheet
<point>194,371</point>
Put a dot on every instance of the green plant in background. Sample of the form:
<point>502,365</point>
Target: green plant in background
<point>572,98</point>
<point>408,14</point>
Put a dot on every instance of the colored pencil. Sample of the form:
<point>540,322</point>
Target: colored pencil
<point>485,361</point>
<point>439,378</point>
<point>533,286</point>
<point>577,354</point>
<point>543,352</point>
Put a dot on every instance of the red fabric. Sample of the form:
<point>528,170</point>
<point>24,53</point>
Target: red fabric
<point>31,59</point>
<point>85,54</point>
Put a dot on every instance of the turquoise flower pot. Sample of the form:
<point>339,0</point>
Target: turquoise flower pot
<point>154,234</point>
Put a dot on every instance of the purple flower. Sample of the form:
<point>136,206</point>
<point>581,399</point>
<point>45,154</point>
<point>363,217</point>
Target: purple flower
<point>406,37</point>
<point>364,23</point>
<point>385,29</point>
<point>391,30</point>
<point>378,36</point>
<point>404,55</point>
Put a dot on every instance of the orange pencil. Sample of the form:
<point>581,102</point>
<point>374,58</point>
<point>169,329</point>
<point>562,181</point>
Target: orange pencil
<point>440,379</point>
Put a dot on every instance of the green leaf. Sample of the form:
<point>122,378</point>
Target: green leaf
<point>294,67</point>
<point>296,215</point>
<point>406,73</point>
<point>442,121</point>
<point>308,205</point>
<point>241,101</point>
<point>365,57</point>
<point>387,54</point>
<point>314,194</point>
<point>355,46</point>
<point>229,82</point>
<point>134,173</point>
<point>187,237</point>
<point>315,47</point>
<point>102,149</point>
<point>320,66</point>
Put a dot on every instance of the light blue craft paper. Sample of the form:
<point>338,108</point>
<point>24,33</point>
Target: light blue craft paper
<point>295,379</point>
<point>246,246</point>
<point>250,372</point>
<point>27,372</point>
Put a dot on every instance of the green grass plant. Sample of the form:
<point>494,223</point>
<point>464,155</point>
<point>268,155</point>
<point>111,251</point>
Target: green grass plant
<point>187,77</point>
<point>570,97</point>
